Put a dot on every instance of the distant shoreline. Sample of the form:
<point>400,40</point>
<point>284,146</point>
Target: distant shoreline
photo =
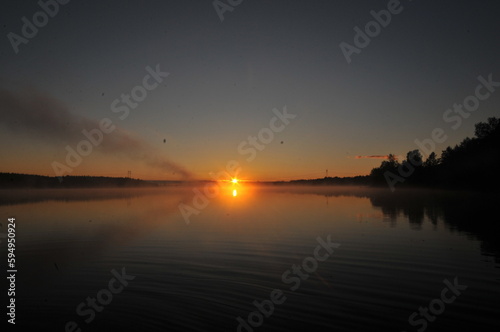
<point>9,181</point>
<point>28,181</point>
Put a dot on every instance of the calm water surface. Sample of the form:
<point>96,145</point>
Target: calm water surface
<point>394,252</point>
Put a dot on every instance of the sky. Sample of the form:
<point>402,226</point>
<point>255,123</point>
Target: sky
<point>227,79</point>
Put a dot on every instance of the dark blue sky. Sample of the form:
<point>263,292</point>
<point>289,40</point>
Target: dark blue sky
<point>227,77</point>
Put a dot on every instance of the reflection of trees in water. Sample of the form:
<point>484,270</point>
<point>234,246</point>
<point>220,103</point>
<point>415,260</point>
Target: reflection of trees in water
<point>469,213</point>
<point>409,204</point>
<point>466,212</point>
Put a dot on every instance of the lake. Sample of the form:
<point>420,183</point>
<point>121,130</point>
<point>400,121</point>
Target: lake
<point>311,258</point>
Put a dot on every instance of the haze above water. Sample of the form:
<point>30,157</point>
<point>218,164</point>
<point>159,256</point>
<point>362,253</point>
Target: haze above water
<point>395,251</point>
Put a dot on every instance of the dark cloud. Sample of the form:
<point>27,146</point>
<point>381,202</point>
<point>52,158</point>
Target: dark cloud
<point>42,117</point>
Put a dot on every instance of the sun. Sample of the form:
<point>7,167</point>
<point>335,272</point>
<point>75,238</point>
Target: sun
<point>235,181</point>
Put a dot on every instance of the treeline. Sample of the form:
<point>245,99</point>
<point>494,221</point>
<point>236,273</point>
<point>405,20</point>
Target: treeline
<point>14,180</point>
<point>472,164</point>
<point>345,181</point>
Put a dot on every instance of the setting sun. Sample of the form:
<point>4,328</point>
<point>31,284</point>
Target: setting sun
<point>234,181</point>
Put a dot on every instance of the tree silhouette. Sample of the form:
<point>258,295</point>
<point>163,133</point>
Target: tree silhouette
<point>389,165</point>
<point>485,129</point>
<point>472,164</point>
<point>431,161</point>
<point>414,157</point>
